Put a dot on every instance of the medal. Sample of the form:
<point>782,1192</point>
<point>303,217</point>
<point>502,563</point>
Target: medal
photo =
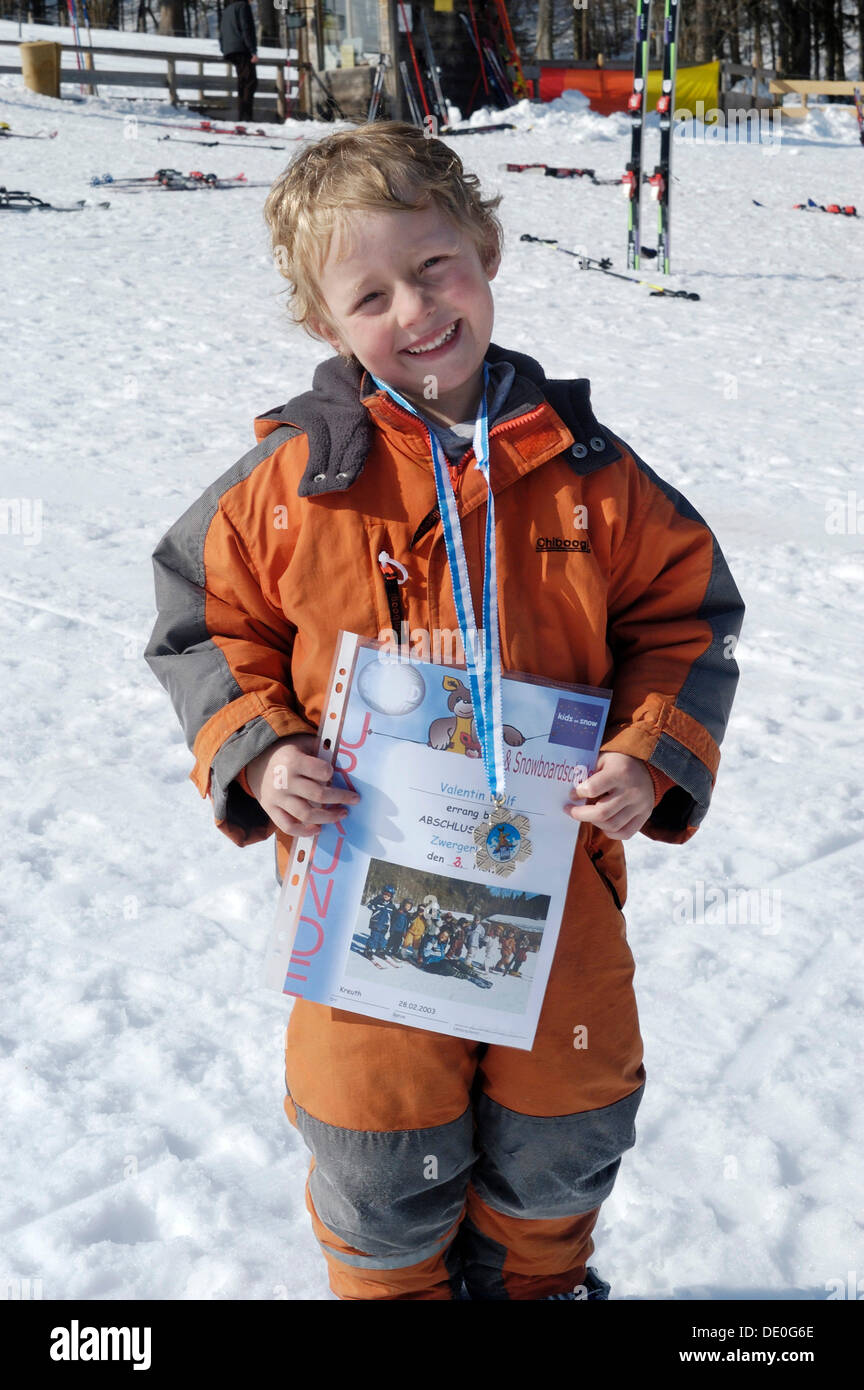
<point>501,841</point>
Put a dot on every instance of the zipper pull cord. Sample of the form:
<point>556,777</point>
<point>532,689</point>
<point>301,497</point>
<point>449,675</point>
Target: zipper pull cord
<point>394,575</point>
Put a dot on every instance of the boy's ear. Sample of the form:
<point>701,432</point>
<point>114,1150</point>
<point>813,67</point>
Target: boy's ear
<point>330,336</point>
<point>492,262</point>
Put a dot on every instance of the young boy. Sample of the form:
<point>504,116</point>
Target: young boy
<point>606,577</point>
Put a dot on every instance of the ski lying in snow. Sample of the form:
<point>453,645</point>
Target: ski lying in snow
<point>212,129</point>
<point>554,171</point>
<point>661,178</point>
<point>187,185</point>
<point>636,107</point>
<point>605,266</point>
<point>17,200</point>
<point>167,176</point>
<point>161,176</point>
<point>841,209</point>
<point>210,144</point>
<point>174,180</point>
<point>7,133</point>
<point>849,210</point>
<point>479,129</point>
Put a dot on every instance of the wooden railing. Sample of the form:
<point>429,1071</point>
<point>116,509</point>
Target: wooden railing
<point>157,69</point>
<point>805,88</point>
<point>750,99</point>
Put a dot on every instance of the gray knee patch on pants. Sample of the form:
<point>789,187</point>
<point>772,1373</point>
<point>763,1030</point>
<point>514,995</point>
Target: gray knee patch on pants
<point>393,1191</point>
<point>545,1167</point>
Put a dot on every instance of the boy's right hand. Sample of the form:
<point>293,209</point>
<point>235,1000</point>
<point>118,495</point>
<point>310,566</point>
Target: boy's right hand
<point>293,786</point>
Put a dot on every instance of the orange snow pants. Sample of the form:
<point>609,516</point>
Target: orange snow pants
<point>436,1159</point>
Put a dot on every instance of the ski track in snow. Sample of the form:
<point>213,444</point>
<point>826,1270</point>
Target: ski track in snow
<point>147,1153</point>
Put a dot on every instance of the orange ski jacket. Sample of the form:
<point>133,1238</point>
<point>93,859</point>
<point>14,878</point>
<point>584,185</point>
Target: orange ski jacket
<point>607,576</point>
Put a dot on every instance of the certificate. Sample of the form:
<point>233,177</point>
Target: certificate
<point>429,905</point>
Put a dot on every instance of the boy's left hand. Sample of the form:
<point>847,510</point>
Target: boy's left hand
<point>618,797</point>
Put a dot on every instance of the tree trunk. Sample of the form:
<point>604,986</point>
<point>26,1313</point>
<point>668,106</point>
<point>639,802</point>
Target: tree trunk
<point>268,24</point>
<point>543,46</point>
<point>735,30</point>
<point>799,60</point>
<point>840,24</point>
<point>172,20</point>
<point>701,39</point>
<point>758,60</point>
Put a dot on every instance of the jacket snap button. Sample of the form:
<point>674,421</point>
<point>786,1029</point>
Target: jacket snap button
<point>597,444</point>
<point>341,474</point>
<point>320,477</point>
<point>579,451</point>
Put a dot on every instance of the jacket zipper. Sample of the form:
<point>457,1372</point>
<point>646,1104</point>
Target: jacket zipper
<point>496,429</point>
<point>432,518</point>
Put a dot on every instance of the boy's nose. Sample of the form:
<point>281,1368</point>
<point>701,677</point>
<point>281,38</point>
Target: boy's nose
<point>414,308</point>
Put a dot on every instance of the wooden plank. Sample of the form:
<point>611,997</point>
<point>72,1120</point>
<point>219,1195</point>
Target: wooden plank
<point>808,87</point>
<point>160,55</point>
<point>183,81</point>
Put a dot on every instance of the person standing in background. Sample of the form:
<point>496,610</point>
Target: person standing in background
<point>239,45</point>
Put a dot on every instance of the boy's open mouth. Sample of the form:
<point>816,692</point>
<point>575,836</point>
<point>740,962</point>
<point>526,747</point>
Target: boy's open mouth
<point>438,344</point>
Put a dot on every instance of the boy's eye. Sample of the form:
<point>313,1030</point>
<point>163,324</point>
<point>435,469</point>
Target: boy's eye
<point>372,293</point>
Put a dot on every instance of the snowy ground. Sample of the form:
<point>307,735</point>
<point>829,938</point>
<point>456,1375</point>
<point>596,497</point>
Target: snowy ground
<point>146,1152</point>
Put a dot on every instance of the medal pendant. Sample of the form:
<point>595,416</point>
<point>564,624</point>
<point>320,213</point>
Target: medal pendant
<point>501,841</point>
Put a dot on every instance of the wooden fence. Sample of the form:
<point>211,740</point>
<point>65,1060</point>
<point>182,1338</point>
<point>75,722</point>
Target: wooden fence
<point>278,96</point>
<point>781,86</point>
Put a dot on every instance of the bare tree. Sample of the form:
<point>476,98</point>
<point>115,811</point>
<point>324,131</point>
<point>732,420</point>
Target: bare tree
<point>701,40</point>
<point>543,41</point>
<point>172,18</point>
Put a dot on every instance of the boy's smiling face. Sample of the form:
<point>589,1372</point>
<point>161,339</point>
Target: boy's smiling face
<point>399,280</point>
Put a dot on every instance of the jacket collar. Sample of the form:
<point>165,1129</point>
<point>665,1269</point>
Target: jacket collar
<point>337,417</point>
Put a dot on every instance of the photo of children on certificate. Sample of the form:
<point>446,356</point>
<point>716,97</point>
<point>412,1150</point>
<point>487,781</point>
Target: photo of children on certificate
<point>433,904</point>
<point>447,938</point>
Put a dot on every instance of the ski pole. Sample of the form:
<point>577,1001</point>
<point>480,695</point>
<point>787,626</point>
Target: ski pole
<point>414,59</point>
<point>590,263</point>
<point>90,42</point>
<point>73,21</point>
<point>473,23</point>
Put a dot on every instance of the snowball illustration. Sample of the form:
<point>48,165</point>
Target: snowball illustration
<point>390,686</point>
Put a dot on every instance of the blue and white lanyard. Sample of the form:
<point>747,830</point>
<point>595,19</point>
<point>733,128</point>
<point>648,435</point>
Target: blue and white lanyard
<point>483,660</point>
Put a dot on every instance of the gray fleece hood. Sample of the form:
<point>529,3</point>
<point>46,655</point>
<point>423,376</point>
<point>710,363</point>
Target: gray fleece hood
<point>339,426</point>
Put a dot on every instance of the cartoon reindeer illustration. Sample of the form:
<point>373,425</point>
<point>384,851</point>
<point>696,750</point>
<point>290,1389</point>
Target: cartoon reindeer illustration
<point>457,732</point>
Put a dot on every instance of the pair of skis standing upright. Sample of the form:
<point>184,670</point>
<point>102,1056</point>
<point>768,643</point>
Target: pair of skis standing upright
<point>660,181</point>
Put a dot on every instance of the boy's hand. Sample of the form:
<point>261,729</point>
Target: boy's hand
<point>618,797</point>
<point>293,786</point>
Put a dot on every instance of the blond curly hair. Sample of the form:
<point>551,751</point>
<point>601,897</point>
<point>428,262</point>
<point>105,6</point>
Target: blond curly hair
<point>374,166</point>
